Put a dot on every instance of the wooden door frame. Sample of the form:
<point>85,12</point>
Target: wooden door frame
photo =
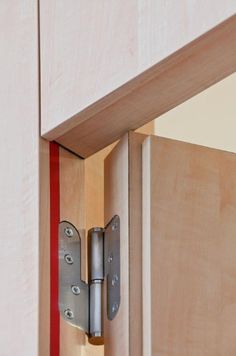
<point>67,186</point>
<point>185,73</point>
<point>190,70</point>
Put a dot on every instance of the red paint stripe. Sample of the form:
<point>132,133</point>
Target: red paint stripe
<point>54,221</point>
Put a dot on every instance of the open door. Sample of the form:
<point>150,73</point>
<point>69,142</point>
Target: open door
<point>123,197</point>
<point>177,208</point>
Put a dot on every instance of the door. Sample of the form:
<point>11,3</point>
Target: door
<point>177,207</point>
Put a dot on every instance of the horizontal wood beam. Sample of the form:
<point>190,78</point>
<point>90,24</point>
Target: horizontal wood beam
<point>187,72</point>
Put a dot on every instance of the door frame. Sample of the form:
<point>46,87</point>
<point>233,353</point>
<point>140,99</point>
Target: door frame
<point>167,84</point>
<point>190,70</point>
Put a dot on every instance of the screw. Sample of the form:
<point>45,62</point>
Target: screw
<point>115,279</point>
<point>69,313</point>
<point>75,290</point>
<point>69,259</point>
<point>110,258</point>
<point>68,231</point>
<point>114,226</point>
<point>114,307</point>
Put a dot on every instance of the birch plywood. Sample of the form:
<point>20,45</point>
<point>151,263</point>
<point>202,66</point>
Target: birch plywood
<point>82,203</point>
<point>127,64</point>
<point>189,249</point>
<point>19,179</point>
<point>72,203</point>
<point>123,177</point>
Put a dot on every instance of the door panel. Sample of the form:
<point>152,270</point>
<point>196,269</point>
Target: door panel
<point>123,177</point>
<point>189,249</point>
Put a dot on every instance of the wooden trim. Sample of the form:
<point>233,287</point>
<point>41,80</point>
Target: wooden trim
<point>123,196</point>
<point>71,172</point>
<point>146,248</point>
<point>187,72</point>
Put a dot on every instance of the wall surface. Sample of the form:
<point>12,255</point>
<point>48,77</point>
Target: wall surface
<point>208,119</point>
<point>19,182</point>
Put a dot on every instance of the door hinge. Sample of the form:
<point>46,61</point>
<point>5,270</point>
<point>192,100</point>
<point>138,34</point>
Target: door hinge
<point>81,303</point>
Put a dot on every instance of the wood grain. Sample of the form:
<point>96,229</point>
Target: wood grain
<point>72,201</point>
<point>168,82</point>
<point>116,332</point>
<point>123,196</point>
<point>189,256</point>
<point>19,179</point>
<point>82,203</point>
<point>84,61</point>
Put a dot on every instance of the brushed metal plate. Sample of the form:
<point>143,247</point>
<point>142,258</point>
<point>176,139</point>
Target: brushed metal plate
<point>73,292</point>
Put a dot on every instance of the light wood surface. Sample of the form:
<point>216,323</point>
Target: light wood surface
<point>116,332</point>
<point>123,335</point>
<point>72,202</point>
<point>166,80</point>
<point>94,208</point>
<point>19,179</point>
<point>189,249</point>
<point>88,50</point>
<point>82,203</point>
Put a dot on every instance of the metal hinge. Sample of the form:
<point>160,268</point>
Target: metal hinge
<point>81,303</point>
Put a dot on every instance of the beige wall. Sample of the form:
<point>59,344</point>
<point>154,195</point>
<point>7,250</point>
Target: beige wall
<point>208,119</point>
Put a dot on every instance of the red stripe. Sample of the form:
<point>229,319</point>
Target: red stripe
<point>54,221</point>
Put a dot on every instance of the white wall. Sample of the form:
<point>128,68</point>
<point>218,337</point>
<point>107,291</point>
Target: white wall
<point>208,119</point>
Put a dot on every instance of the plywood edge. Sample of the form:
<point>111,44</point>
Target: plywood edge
<point>185,73</point>
<point>72,208</point>
<point>146,247</point>
<point>116,332</point>
<point>135,242</point>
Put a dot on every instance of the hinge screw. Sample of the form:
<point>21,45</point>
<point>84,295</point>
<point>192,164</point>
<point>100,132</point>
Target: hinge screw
<point>114,280</point>
<point>110,258</point>
<point>114,307</point>
<point>69,314</point>
<point>114,226</point>
<point>69,259</point>
<point>75,290</point>
<point>68,231</point>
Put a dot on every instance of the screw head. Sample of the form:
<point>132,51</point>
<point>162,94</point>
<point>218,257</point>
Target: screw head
<point>69,259</point>
<point>115,279</point>
<point>110,258</point>
<point>68,231</point>
<point>114,307</point>
<point>75,290</point>
<point>69,313</point>
<point>114,226</point>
